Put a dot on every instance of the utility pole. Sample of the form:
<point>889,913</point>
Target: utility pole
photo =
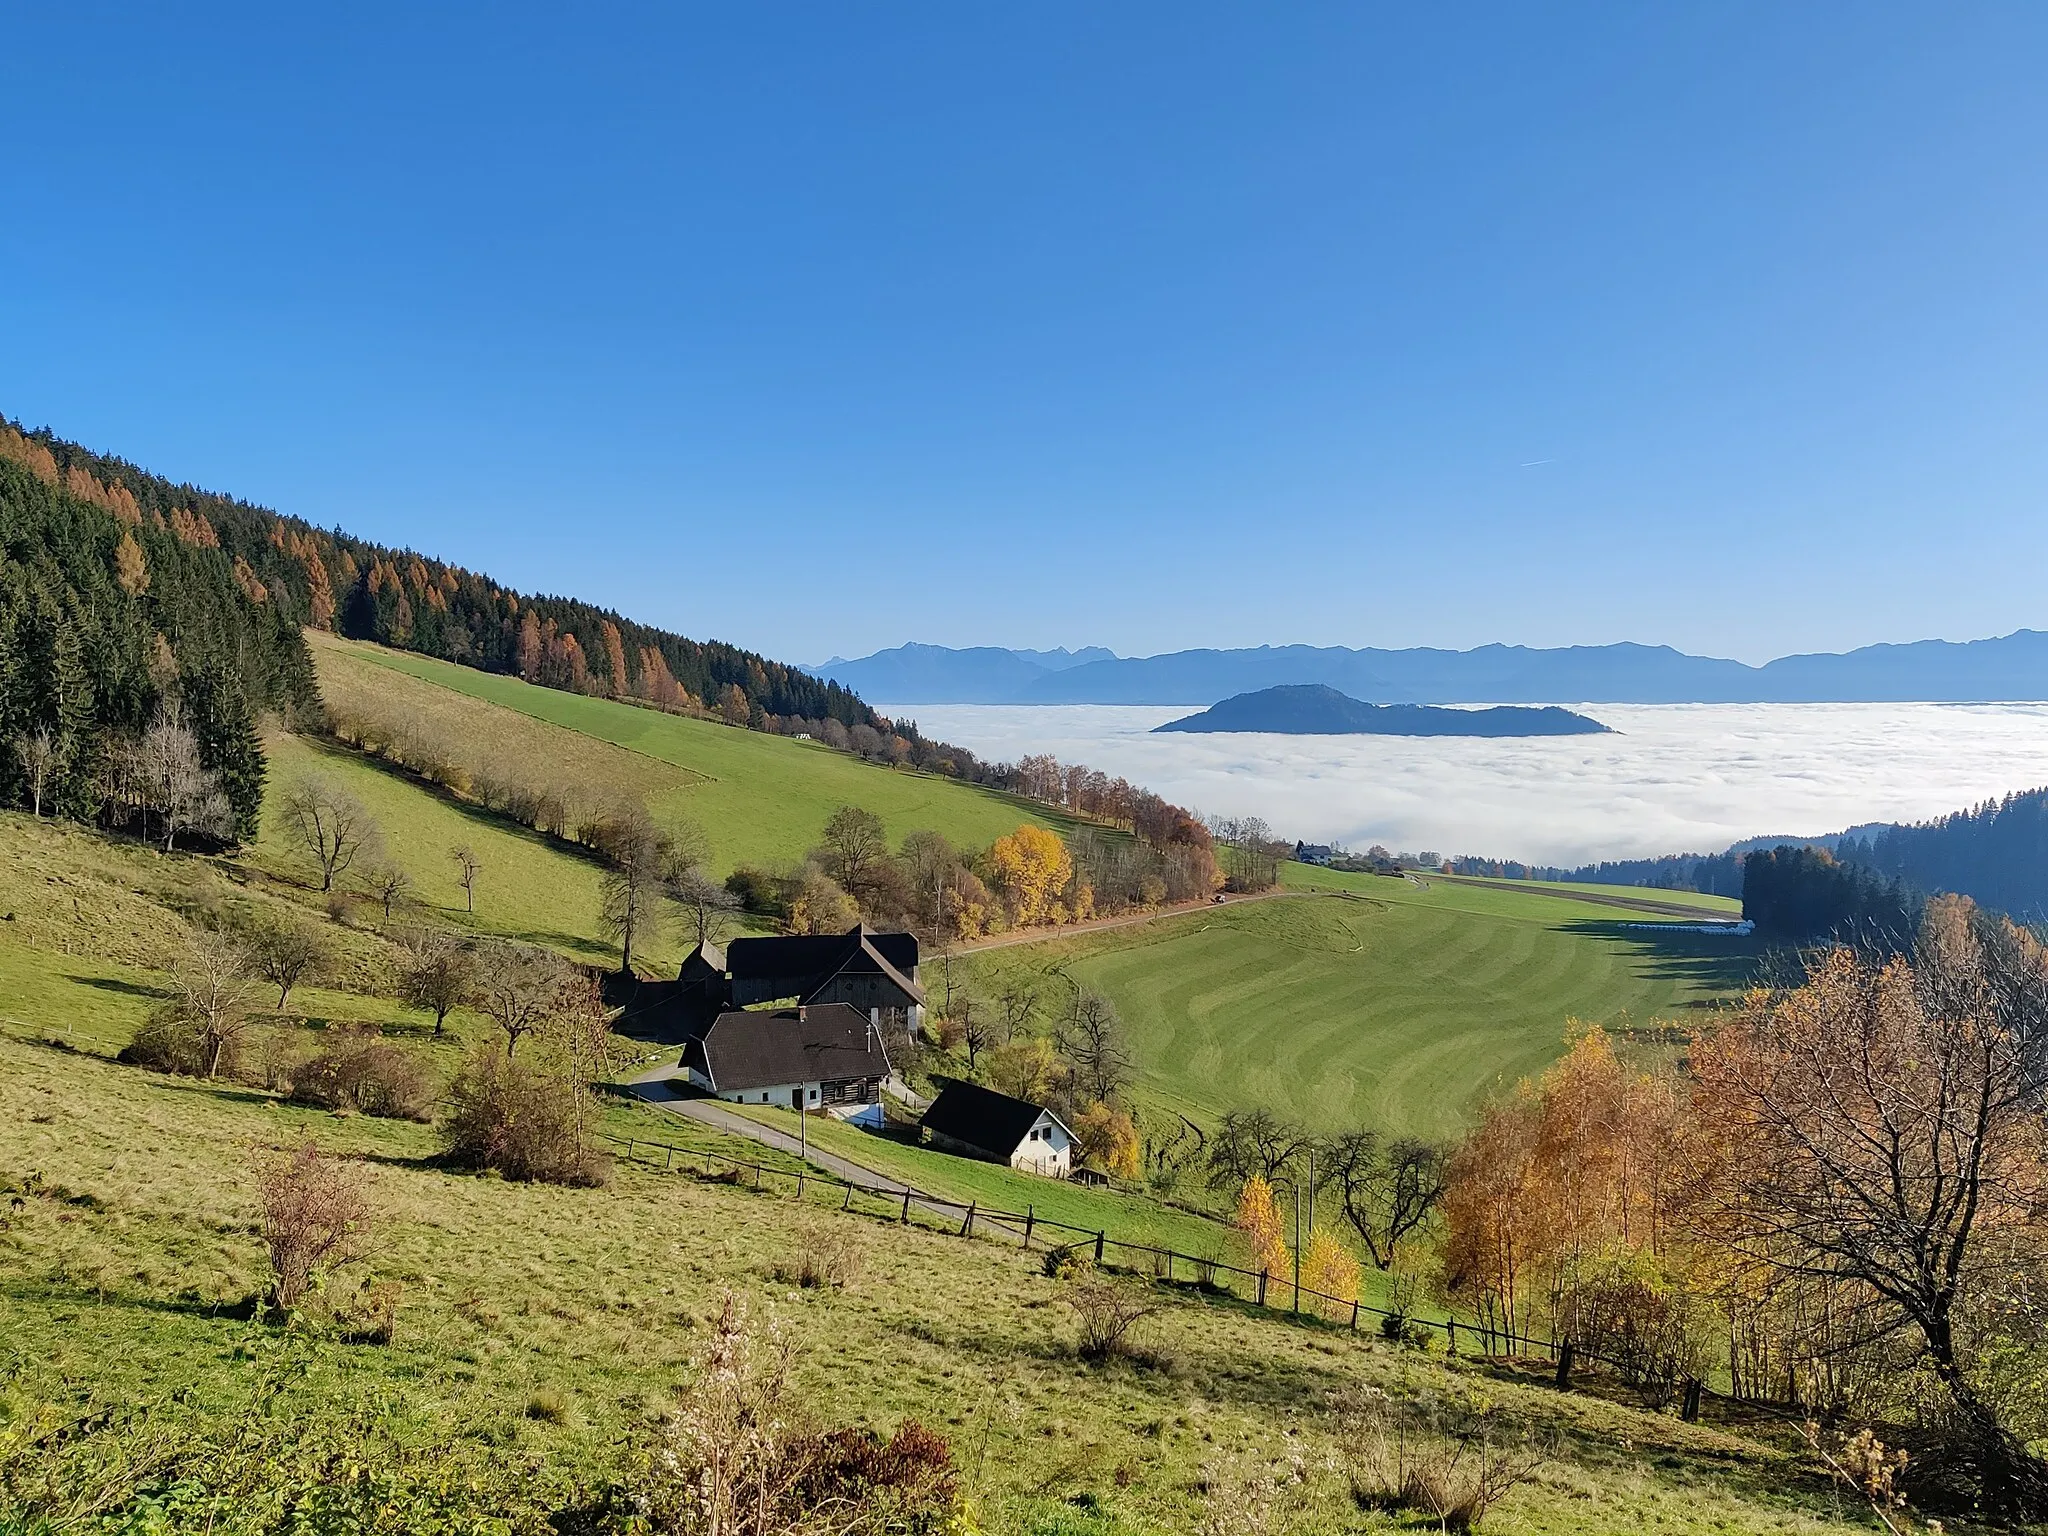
<point>1297,1247</point>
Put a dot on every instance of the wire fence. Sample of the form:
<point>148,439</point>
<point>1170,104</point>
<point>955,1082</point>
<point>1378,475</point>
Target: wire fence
<point>1204,1275</point>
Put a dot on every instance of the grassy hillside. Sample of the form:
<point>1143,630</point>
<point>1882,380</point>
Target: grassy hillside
<point>762,799</point>
<point>549,1325</point>
<point>1373,1001</point>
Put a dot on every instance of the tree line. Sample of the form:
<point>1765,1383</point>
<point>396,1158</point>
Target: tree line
<point>1996,853</point>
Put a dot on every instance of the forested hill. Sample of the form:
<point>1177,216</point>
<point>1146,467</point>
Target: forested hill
<point>1996,853</point>
<point>135,656</point>
<point>330,580</point>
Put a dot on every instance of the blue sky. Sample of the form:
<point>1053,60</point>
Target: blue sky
<point>820,328</point>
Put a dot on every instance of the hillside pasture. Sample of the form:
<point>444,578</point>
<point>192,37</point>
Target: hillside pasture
<point>1375,1002</point>
<point>762,799</point>
<point>546,1329</point>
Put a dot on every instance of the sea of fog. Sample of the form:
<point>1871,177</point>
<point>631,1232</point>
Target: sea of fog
<point>1675,777</point>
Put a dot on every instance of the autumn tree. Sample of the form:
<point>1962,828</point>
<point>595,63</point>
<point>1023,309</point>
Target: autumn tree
<point>1388,1189</point>
<point>331,826</point>
<point>1258,1226</point>
<point>818,904</point>
<point>131,570</point>
<point>1881,1126</point>
<point>1328,1268</point>
<point>1109,1140</point>
<point>1025,1068</point>
<point>1030,867</point>
<point>467,867</point>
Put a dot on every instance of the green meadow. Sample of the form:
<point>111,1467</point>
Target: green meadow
<point>1371,1001</point>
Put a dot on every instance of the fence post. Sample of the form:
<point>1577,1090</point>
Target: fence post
<point>1100,1237</point>
<point>906,1207</point>
<point>1262,1287</point>
<point>1354,1316</point>
<point>847,1203</point>
<point>800,1180</point>
<point>1564,1364</point>
<point>1451,1327</point>
<point>668,1157</point>
<point>967,1226</point>
<point>757,1175</point>
<point>1030,1215</point>
<point>1690,1411</point>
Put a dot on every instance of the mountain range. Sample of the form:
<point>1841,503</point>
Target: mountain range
<point>2009,668</point>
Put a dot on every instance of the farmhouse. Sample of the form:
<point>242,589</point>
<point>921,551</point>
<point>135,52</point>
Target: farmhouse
<point>974,1121</point>
<point>874,973</point>
<point>827,1056</point>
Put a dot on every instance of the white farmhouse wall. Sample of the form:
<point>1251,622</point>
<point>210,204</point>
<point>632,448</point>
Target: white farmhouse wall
<point>1046,1149</point>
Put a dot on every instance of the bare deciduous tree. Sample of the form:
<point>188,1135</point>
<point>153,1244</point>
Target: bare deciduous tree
<point>388,883</point>
<point>855,847</point>
<point>1092,1039</point>
<point>1253,1141</point>
<point>1016,1005</point>
<point>211,998</point>
<point>975,1027</point>
<point>437,973</point>
<point>285,953</point>
<point>331,825</point>
<point>640,861</point>
<point>174,784</point>
<point>1388,1189</point>
<point>467,867</point>
<point>42,754</point>
<point>519,988</point>
<point>706,904</point>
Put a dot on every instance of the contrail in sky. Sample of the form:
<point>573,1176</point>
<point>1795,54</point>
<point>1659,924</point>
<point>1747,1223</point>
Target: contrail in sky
<point>1534,462</point>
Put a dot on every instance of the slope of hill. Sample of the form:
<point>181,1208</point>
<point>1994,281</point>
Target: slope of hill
<point>761,799</point>
<point>1378,1002</point>
<point>2009,667</point>
<point>1309,709</point>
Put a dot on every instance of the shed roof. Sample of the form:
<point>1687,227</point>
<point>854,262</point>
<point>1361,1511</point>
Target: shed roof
<point>981,1118</point>
<point>745,1049</point>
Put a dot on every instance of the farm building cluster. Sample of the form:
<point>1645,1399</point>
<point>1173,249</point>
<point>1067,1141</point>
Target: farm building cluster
<point>804,1023</point>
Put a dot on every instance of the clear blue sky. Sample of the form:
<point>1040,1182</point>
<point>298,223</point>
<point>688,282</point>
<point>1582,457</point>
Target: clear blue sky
<point>823,327</point>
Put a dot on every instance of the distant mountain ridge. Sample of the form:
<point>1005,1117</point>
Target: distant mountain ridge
<point>1310,709</point>
<point>2010,668</point>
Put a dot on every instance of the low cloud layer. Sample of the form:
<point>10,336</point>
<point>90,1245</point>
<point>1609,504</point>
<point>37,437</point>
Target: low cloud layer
<point>1677,778</point>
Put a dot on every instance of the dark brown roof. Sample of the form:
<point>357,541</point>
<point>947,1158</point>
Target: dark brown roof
<point>762,1049</point>
<point>807,961</point>
<point>981,1118</point>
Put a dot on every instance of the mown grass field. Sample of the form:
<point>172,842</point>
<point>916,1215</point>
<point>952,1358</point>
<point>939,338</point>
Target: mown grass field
<point>553,1324</point>
<point>761,799</point>
<point>1371,1002</point>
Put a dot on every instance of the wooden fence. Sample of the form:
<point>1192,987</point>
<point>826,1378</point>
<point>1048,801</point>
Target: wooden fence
<point>1201,1275</point>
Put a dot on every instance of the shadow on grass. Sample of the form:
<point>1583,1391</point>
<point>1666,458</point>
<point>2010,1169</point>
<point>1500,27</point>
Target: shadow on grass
<point>24,1292</point>
<point>115,984</point>
<point>1718,965</point>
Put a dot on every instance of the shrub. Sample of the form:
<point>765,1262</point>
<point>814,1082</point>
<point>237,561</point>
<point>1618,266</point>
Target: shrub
<point>1061,1263</point>
<point>826,1258</point>
<point>521,1121</point>
<point>738,1455</point>
<point>365,1073</point>
<point>371,1317</point>
<point>170,1042</point>
<point>1450,1461</point>
<point>316,1218</point>
<point>1109,1314</point>
<point>547,1406</point>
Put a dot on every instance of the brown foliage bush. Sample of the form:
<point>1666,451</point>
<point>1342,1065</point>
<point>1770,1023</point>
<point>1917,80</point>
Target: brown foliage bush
<point>1109,1314</point>
<point>1452,1462</point>
<point>316,1218</point>
<point>827,1257</point>
<point>523,1121</point>
<point>359,1071</point>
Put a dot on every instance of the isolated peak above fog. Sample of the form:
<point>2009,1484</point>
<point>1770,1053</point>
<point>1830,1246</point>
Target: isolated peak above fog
<point>2010,668</point>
